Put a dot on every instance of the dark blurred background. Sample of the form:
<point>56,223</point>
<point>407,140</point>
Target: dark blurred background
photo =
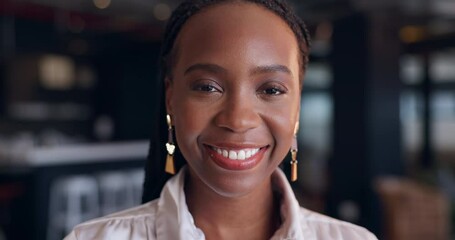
<point>78,102</point>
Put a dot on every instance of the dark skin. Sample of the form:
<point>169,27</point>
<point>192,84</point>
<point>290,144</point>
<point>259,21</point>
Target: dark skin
<point>234,85</point>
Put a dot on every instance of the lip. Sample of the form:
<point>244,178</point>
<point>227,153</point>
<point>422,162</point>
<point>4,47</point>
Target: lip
<point>237,165</point>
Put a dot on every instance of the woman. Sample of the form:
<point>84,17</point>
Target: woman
<point>233,73</point>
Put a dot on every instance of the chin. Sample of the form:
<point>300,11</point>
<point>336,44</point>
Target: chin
<point>233,188</point>
<point>235,184</point>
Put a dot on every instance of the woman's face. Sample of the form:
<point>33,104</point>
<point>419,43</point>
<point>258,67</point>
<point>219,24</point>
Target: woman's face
<point>234,96</point>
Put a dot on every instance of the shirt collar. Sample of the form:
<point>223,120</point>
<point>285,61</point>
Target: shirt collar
<point>174,221</point>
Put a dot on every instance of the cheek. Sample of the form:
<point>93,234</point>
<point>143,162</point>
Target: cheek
<point>285,115</point>
<point>190,121</point>
<point>281,127</point>
<point>281,123</point>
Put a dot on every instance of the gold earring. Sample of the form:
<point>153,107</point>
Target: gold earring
<point>170,147</point>
<point>294,150</point>
<point>294,159</point>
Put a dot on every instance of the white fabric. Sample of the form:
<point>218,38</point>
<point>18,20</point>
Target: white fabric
<point>169,218</point>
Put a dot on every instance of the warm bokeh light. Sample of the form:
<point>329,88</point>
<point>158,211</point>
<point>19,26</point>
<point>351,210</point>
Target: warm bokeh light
<point>410,34</point>
<point>102,4</point>
<point>162,11</point>
<point>56,72</point>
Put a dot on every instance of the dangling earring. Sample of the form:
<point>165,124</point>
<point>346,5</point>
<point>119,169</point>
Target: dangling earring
<point>294,159</point>
<point>294,154</point>
<point>170,147</point>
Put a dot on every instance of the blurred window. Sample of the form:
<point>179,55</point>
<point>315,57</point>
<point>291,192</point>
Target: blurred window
<point>443,125</point>
<point>318,75</point>
<point>315,135</point>
<point>315,120</point>
<point>412,69</point>
<point>442,66</point>
<point>411,114</point>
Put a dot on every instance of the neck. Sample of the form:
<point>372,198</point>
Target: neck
<point>255,215</point>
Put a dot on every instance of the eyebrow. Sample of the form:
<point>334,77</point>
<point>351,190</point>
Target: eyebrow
<point>213,68</point>
<point>271,69</point>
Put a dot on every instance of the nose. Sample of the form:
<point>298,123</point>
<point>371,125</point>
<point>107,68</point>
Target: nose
<point>238,115</point>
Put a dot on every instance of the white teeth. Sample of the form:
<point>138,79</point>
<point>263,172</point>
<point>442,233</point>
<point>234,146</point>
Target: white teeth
<point>232,155</point>
<point>237,155</point>
<point>241,155</point>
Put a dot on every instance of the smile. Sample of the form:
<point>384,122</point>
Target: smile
<point>241,154</point>
<point>238,158</point>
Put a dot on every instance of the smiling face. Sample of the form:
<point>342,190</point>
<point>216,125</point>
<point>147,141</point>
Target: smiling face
<point>234,95</point>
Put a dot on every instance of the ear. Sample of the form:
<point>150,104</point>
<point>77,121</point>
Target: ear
<point>168,87</point>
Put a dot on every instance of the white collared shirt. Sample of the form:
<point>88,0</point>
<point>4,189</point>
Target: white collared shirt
<point>168,218</point>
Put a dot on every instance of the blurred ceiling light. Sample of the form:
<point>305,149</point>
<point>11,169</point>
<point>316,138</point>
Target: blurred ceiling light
<point>411,34</point>
<point>443,7</point>
<point>102,4</point>
<point>56,72</point>
<point>162,11</point>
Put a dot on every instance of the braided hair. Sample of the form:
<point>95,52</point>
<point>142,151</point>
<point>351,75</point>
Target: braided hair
<point>155,176</point>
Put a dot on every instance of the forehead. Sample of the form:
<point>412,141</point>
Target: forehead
<point>235,13</point>
<point>239,27</point>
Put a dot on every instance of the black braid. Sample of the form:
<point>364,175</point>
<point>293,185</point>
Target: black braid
<point>155,177</point>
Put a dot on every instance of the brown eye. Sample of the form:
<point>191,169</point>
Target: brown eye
<point>273,91</point>
<point>205,88</point>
